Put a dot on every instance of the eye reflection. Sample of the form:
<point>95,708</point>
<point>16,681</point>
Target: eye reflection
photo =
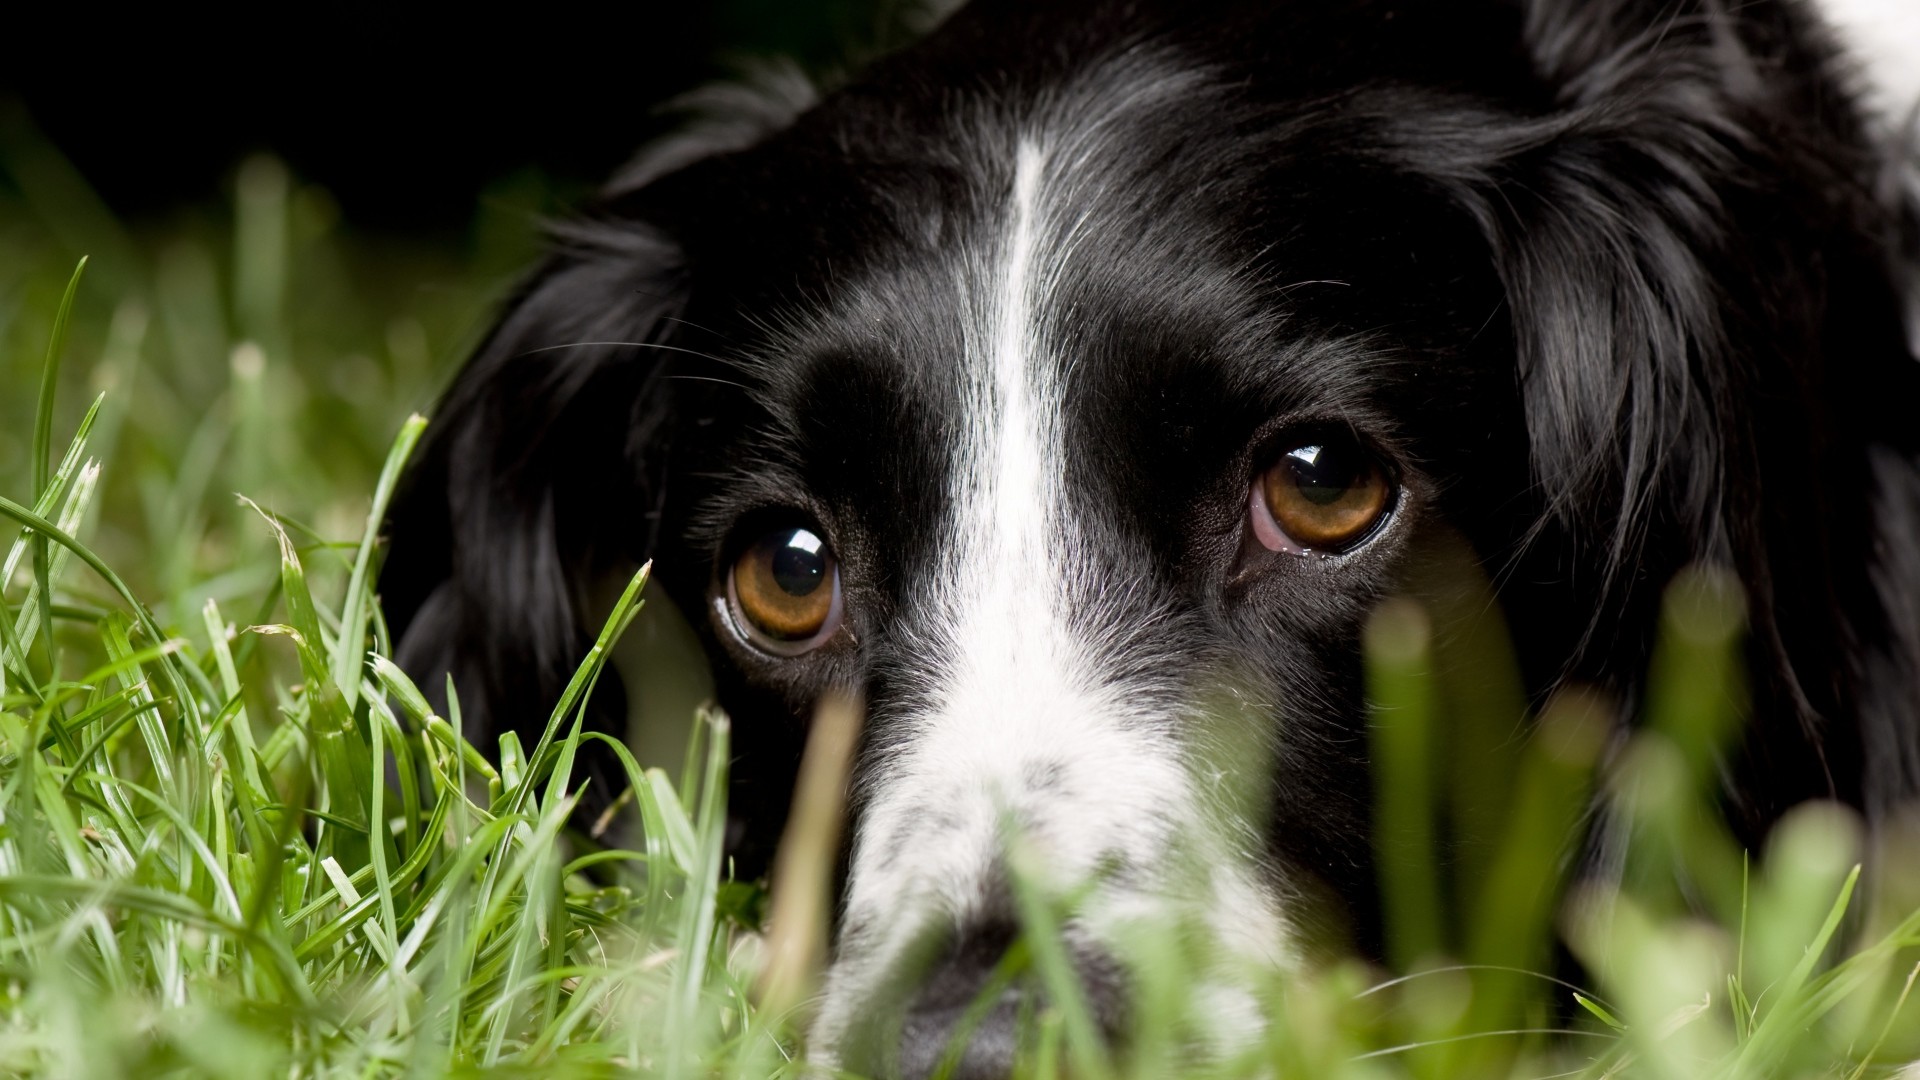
<point>1325,496</point>
<point>785,591</point>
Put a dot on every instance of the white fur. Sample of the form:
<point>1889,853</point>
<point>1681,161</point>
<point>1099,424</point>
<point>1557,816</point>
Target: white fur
<point>1882,39</point>
<point>1881,42</point>
<point>1018,687</point>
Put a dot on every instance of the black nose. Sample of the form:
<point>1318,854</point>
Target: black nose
<point>965,1022</point>
<point>952,1021</point>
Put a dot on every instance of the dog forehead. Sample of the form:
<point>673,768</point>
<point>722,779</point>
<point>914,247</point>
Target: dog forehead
<point>878,398</point>
<point>1164,347</point>
<point>1178,224</point>
<point>1189,276</point>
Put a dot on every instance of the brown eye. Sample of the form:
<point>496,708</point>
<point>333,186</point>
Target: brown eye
<point>1324,497</point>
<point>785,591</point>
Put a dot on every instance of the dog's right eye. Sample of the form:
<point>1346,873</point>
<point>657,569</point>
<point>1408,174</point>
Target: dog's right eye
<point>785,591</point>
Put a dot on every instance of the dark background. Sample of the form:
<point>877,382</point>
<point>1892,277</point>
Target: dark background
<point>402,115</point>
<point>299,222</point>
<point>347,192</point>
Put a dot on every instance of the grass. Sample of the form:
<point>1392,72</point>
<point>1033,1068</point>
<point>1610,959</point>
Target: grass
<point>235,841</point>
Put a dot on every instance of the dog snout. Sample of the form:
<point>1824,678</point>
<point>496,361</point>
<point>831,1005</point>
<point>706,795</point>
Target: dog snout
<point>966,1010</point>
<point>967,1017</point>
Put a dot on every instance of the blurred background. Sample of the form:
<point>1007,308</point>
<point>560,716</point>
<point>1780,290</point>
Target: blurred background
<point>297,229</point>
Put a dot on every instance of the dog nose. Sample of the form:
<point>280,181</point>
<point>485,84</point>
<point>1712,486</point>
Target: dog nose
<point>951,1019</point>
<point>964,1023</point>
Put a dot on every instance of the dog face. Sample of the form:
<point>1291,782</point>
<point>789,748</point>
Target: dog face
<point>1074,387</point>
<point>1087,506</point>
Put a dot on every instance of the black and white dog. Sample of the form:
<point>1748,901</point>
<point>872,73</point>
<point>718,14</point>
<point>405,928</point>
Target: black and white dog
<point>1095,363</point>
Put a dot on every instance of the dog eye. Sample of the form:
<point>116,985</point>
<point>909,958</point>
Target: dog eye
<point>785,591</point>
<point>1326,497</point>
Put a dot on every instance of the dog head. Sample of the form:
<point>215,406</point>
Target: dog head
<point>1075,384</point>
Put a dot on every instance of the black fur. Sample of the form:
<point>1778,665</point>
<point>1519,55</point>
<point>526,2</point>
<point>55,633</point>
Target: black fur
<point>1616,280</point>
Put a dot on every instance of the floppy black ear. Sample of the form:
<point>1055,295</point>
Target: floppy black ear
<point>542,474</point>
<point>1686,238</point>
<point>534,483</point>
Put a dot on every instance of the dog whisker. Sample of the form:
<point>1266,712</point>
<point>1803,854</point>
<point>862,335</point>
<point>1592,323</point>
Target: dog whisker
<point>661,347</point>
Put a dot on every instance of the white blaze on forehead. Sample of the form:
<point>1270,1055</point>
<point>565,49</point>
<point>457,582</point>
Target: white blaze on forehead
<point>1019,720</point>
<point>1017,717</point>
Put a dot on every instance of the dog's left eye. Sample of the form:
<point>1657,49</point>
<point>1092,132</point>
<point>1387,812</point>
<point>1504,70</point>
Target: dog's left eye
<point>785,591</point>
<point>1326,496</point>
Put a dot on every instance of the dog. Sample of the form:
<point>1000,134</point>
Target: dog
<point>1074,383</point>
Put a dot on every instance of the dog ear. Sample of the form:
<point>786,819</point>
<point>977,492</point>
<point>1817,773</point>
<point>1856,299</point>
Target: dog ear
<point>1695,295</point>
<point>1672,252</point>
<point>533,483</point>
<point>541,475</point>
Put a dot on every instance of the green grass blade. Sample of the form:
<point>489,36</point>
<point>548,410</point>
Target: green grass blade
<point>1780,1025</point>
<point>43,445</point>
<point>1598,1011</point>
<point>697,914</point>
<point>1400,688</point>
<point>624,610</point>
<point>182,684</point>
<point>1066,998</point>
<point>347,663</point>
<point>218,634</point>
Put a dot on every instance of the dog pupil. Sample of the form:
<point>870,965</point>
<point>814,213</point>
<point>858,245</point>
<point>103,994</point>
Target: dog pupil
<point>798,563</point>
<point>1323,473</point>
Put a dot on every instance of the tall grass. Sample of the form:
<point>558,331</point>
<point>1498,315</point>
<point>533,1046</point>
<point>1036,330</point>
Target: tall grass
<point>194,882</point>
<point>236,841</point>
